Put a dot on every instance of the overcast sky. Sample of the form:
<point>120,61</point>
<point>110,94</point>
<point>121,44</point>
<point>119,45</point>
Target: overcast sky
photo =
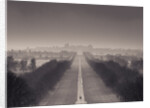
<point>32,24</point>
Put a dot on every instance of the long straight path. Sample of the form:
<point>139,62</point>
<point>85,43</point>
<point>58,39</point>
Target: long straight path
<point>80,91</point>
<point>79,85</point>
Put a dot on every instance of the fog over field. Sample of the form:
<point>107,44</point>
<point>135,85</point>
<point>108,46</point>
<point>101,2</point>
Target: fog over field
<point>60,54</point>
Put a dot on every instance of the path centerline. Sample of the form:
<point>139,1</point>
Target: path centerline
<point>80,91</point>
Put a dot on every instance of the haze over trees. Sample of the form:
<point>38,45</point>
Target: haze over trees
<point>126,82</point>
<point>122,73</point>
<point>33,64</point>
<point>29,88</point>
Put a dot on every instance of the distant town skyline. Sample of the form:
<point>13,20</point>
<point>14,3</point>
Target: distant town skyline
<point>37,24</point>
<point>70,47</point>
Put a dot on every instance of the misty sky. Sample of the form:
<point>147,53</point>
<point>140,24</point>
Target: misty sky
<point>32,24</point>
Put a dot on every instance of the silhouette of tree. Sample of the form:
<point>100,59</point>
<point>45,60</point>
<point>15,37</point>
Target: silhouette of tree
<point>33,64</point>
<point>10,62</point>
<point>23,65</point>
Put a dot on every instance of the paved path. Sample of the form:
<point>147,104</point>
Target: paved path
<point>80,93</point>
<point>79,85</point>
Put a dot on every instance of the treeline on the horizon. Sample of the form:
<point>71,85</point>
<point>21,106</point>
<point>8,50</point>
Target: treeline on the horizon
<point>22,66</point>
<point>28,54</point>
<point>29,88</point>
<point>126,81</point>
<point>47,52</point>
<point>129,61</point>
<point>27,62</point>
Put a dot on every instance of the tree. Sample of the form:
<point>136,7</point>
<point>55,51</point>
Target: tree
<point>10,62</point>
<point>33,64</point>
<point>23,64</point>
